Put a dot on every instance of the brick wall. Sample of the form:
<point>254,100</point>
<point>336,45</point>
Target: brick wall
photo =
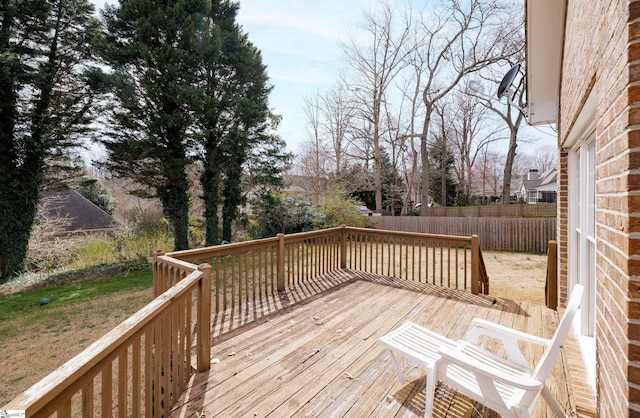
<point>602,51</point>
<point>561,228</point>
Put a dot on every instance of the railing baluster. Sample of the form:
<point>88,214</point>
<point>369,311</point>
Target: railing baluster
<point>65,410</point>
<point>135,378</point>
<point>148,371</point>
<point>87,399</point>
<point>448,265</point>
<point>107,390</point>
<point>122,383</point>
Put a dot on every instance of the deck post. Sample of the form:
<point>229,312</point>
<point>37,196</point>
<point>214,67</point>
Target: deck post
<point>204,319</point>
<point>343,247</point>
<point>475,264</point>
<point>280,277</point>
<point>551,285</point>
<point>157,274</point>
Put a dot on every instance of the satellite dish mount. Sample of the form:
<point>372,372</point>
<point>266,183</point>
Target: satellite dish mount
<point>505,88</point>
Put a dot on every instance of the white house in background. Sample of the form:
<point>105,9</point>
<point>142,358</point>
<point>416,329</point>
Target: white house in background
<point>538,188</point>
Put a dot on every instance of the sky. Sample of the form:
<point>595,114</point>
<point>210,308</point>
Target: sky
<point>301,45</point>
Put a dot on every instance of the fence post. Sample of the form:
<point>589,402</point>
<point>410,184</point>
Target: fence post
<point>204,319</point>
<point>280,277</point>
<point>158,279</point>
<point>551,285</point>
<point>475,264</point>
<point>343,247</point>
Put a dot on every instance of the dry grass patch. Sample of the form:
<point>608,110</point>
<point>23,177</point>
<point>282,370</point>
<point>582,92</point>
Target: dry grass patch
<point>517,276</point>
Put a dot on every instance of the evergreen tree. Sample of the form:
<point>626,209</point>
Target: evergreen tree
<point>391,186</point>
<point>46,49</point>
<point>152,48</point>
<point>234,118</point>
<point>443,187</point>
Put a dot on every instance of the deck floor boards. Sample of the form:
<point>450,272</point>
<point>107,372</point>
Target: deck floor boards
<point>312,351</point>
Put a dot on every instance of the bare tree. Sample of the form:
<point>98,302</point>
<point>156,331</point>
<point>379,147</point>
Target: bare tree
<point>337,112</point>
<point>374,67</point>
<point>395,135</point>
<point>488,172</point>
<point>473,130</point>
<point>410,90</point>
<point>541,159</point>
<point>313,159</point>
<point>513,116</point>
<point>461,38</point>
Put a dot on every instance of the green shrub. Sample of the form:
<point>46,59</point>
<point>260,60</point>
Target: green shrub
<point>337,208</point>
<point>146,232</point>
<point>274,213</point>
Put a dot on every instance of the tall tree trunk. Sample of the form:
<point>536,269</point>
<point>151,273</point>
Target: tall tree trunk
<point>210,180</point>
<point>174,193</point>
<point>424,159</point>
<point>508,167</point>
<point>232,193</point>
<point>175,206</point>
<point>511,154</point>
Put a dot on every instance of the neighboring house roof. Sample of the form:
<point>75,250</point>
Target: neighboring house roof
<point>545,182</point>
<point>77,213</point>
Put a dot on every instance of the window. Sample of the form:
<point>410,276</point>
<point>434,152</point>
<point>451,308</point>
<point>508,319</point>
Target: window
<point>582,221</point>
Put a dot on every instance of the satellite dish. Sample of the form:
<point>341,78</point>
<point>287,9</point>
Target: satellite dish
<point>507,80</point>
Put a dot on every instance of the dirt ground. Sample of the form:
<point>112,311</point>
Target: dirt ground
<point>28,352</point>
<point>517,276</point>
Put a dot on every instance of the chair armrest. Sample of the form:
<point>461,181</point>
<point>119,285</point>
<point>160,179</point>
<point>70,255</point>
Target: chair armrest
<point>491,329</point>
<point>508,337</point>
<point>455,357</point>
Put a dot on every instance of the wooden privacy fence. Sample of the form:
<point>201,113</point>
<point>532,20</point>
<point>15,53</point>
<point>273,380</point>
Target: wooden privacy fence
<point>141,367</point>
<point>520,210</point>
<point>503,234</point>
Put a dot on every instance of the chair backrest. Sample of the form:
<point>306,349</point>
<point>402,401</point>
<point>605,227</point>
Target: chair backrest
<point>548,359</point>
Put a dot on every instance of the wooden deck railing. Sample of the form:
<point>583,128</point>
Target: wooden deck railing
<point>140,368</point>
<point>443,260</point>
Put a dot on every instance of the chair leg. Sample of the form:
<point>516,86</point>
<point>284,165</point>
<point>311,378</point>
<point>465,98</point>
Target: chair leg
<point>397,367</point>
<point>552,402</point>
<point>430,393</point>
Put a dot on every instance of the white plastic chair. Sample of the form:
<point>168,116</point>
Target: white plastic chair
<point>507,386</point>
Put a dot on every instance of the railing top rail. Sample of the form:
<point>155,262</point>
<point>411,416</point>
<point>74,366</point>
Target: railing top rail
<point>300,236</point>
<point>435,237</point>
<point>185,265</point>
<point>207,252</point>
<point>39,395</point>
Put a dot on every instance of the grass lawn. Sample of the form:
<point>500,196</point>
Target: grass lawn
<point>35,339</point>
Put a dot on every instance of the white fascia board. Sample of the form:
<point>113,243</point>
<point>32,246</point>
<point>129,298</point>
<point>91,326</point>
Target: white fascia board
<point>545,35</point>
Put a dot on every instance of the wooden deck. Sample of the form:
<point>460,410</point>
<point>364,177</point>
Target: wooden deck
<point>312,351</point>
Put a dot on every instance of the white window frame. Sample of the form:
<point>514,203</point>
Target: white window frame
<point>582,235</point>
<point>578,140</point>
